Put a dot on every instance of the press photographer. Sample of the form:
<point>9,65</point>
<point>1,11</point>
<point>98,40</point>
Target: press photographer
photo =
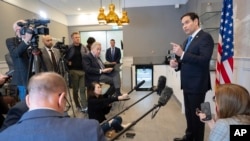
<point>26,35</point>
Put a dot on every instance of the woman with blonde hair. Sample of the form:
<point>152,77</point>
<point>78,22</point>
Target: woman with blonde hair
<point>232,106</point>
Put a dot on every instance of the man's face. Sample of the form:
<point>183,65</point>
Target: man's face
<point>76,39</point>
<point>189,26</point>
<point>97,50</point>
<point>47,40</point>
<point>112,43</point>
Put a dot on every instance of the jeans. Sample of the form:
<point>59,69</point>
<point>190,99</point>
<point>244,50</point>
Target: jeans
<point>115,124</point>
<point>21,92</point>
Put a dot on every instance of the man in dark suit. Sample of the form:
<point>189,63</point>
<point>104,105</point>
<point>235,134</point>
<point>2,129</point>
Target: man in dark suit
<point>113,54</point>
<point>193,62</point>
<point>45,119</point>
<point>17,47</point>
<point>47,53</point>
<point>96,71</point>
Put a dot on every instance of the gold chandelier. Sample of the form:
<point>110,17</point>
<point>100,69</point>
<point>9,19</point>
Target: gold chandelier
<point>112,18</point>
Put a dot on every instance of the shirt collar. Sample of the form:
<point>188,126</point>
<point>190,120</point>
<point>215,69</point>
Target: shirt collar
<point>194,34</point>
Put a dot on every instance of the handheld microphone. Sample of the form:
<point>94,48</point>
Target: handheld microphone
<point>139,84</point>
<point>166,94</point>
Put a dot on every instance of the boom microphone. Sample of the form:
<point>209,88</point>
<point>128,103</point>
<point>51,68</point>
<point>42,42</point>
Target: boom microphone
<point>165,96</point>
<point>139,85</point>
<point>160,85</point>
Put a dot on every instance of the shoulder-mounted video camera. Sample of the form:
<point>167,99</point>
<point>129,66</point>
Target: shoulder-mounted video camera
<point>35,25</point>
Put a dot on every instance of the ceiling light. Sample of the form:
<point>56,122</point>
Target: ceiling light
<point>124,20</point>
<point>101,16</point>
<point>112,17</point>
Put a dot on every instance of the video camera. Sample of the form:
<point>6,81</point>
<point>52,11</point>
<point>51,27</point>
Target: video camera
<point>61,46</point>
<point>32,26</point>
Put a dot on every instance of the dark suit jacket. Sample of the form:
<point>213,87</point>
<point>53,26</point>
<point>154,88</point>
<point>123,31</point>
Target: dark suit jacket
<point>194,66</point>
<point>9,61</point>
<point>46,58</point>
<point>91,68</point>
<point>14,114</point>
<point>19,55</point>
<point>117,55</point>
<point>49,125</point>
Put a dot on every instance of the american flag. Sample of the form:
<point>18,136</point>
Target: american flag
<point>224,65</point>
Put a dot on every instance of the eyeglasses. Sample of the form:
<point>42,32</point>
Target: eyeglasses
<point>68,106</point>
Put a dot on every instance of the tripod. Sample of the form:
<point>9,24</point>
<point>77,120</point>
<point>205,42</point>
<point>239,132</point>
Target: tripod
<point>62,70</point>
<point>36,62</point>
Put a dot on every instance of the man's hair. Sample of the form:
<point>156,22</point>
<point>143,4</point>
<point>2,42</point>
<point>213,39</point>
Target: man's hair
<point>112,40</point>
<point>47,82</point>
<point>192,16</point>
<point>95,44</point>
<point>232,100</point>
<point>74,33</point>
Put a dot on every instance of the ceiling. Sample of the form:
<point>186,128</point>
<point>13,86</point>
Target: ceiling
<point>67,13</point>
<point>70,7</point>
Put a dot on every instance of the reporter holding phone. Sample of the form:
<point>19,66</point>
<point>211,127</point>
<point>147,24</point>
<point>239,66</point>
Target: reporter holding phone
<point>232,106</point>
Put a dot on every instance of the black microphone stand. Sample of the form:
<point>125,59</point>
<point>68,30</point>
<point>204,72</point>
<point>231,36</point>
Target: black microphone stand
<point>127,107</point>
<point>134,122</point>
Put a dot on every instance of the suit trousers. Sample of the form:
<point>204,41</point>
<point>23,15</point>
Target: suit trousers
<point>112,78</point>
<point>195,128</point>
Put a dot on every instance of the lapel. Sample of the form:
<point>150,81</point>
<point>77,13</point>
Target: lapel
<point>195,38</point>
<point>94,60</point>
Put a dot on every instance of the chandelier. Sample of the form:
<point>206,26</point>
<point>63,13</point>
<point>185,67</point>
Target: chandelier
<point>112,18</point>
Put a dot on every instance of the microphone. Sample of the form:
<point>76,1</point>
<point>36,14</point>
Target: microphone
<point>160,85</point>
<point>139,84</point>
<point>166,94</point>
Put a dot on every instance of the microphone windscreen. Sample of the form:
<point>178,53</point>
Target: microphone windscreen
<point>161,84</point>
<point>166,93</point>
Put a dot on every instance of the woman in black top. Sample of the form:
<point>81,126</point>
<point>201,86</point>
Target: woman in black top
<point>99,105</point>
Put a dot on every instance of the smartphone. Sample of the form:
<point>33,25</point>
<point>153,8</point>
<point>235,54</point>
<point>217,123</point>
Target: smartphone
<point>9,73</point>
<point>205,108</point>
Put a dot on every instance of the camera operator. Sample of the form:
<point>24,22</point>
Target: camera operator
<point>17,47</point>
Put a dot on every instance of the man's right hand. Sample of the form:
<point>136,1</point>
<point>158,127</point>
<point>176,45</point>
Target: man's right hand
<point>3,78</point>
<point>107,70</point>
<point>173,63</point>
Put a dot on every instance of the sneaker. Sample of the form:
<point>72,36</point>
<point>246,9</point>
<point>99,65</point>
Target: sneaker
<point>84,110</point>
<point>126,125</point>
